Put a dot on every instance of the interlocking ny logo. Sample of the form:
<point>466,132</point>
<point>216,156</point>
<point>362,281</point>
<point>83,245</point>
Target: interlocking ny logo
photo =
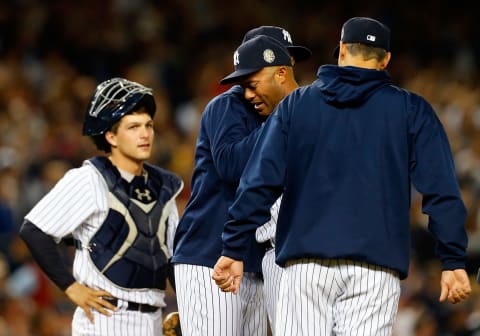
<point>141,195</point>
<point>286,36</point>
<point>236,58</point>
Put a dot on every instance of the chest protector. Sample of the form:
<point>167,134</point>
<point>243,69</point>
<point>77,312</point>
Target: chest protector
<point>130,248</point>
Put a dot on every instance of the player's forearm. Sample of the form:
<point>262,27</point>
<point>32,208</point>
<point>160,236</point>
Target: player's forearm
<point>47,254</point>
<point>237,237</point>
<point>231,157</point>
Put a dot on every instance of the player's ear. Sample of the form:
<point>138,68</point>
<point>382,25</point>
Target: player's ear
<point>111,138</point>
<point>384,62</point>
<point>342,52</point>
<point>281,74</point>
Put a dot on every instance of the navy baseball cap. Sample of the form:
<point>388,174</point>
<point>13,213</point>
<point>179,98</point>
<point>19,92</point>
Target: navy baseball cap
<point>366,31</point>
<point>254,55</point>
<point>299,53</point>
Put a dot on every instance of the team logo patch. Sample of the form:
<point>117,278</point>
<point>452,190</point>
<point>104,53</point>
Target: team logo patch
<point>268,55</point>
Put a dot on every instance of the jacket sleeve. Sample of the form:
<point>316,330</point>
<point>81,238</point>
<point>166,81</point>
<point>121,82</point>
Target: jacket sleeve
<point>433,175</point>
<point>232,138</point>
<point>260,185</point>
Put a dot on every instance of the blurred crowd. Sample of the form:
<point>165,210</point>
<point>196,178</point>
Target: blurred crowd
<point>53,53</point>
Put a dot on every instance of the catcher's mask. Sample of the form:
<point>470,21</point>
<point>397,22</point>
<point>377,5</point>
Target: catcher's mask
<point>113,99</point>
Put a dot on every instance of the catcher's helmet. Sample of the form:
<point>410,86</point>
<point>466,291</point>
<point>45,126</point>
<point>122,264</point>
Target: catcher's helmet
<point>113,99</point>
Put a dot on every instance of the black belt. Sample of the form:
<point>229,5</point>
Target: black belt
<point>140,307</point>
<point>267,245</point>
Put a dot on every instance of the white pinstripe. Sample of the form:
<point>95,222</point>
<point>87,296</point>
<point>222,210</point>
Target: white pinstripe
<point>272,275</point>
<point>324,297</point>
<point>205,310</point>
<point>121,323</point>
<point>267,230</point>
<point>78,205</point>
<point>271,271</point>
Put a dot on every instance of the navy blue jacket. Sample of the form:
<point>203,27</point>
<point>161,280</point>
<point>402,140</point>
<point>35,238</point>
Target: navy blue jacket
<point>228,131</point>
<point>344,152</point>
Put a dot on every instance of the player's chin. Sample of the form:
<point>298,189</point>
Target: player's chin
<point>143,154</point>
<point>265,111</point>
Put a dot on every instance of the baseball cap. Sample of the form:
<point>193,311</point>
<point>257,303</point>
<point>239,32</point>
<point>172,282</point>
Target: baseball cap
<point>300,53</point>
<point>366,31</point>
<point>255,54</point>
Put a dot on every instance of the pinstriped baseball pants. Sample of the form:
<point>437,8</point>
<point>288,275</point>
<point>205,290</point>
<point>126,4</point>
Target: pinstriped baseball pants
<point>122,323</point>
<point>272,274</point>
<point>324,297</point>
<point>205,310</point>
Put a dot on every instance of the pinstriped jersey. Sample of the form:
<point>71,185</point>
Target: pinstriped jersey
<point>267,231</point>
<point>78,205</point>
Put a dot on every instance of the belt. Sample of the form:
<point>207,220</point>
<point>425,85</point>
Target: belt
<point>140,307</point>
<point>267,245</point>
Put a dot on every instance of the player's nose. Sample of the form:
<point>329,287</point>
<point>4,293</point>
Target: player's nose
<point>145,131</point>
<point>249,94</point>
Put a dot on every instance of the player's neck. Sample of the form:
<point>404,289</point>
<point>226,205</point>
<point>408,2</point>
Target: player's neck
<point>131,166</point>
<point>291,85</point>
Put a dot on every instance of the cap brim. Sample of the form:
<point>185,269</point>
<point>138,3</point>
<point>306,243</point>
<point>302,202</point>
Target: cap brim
<point>237,75</point>
<point>299,53</point>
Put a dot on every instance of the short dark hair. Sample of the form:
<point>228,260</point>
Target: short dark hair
<point>101,143</point>
<point>366,51</point>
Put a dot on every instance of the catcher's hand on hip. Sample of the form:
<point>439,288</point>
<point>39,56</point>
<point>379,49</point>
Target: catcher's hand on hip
<point>88,298</point>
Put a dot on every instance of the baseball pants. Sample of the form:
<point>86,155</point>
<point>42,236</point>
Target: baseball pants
<point>324,297</point>
<point>121,323</point>
<point>205,310</point>
<point>272,274</point>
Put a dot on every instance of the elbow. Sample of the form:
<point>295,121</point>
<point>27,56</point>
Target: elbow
<point>23,229</point>
<point>27,230</point>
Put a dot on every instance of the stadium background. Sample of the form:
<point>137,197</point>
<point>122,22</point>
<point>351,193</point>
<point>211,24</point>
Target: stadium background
<point>52,54</point>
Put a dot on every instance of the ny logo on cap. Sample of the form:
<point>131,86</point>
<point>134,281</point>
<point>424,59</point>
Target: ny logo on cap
<point>286,36</point>
<point>236,58</point>
<point>371,38</point>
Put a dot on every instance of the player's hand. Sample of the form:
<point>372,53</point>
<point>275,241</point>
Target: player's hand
<point>227,274</point>
<point>455,285</point>
<point>88,298</point>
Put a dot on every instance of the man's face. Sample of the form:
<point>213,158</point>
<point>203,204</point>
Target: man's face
<point>263,90</point>
<point>132,140</point>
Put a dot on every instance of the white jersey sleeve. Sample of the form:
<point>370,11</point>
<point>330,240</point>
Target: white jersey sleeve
<point>267,230</point>
<point>68,204</point>
<point>172,227</point>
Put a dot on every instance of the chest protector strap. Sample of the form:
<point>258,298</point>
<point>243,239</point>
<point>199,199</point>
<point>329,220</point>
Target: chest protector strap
<point>130,248</point>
